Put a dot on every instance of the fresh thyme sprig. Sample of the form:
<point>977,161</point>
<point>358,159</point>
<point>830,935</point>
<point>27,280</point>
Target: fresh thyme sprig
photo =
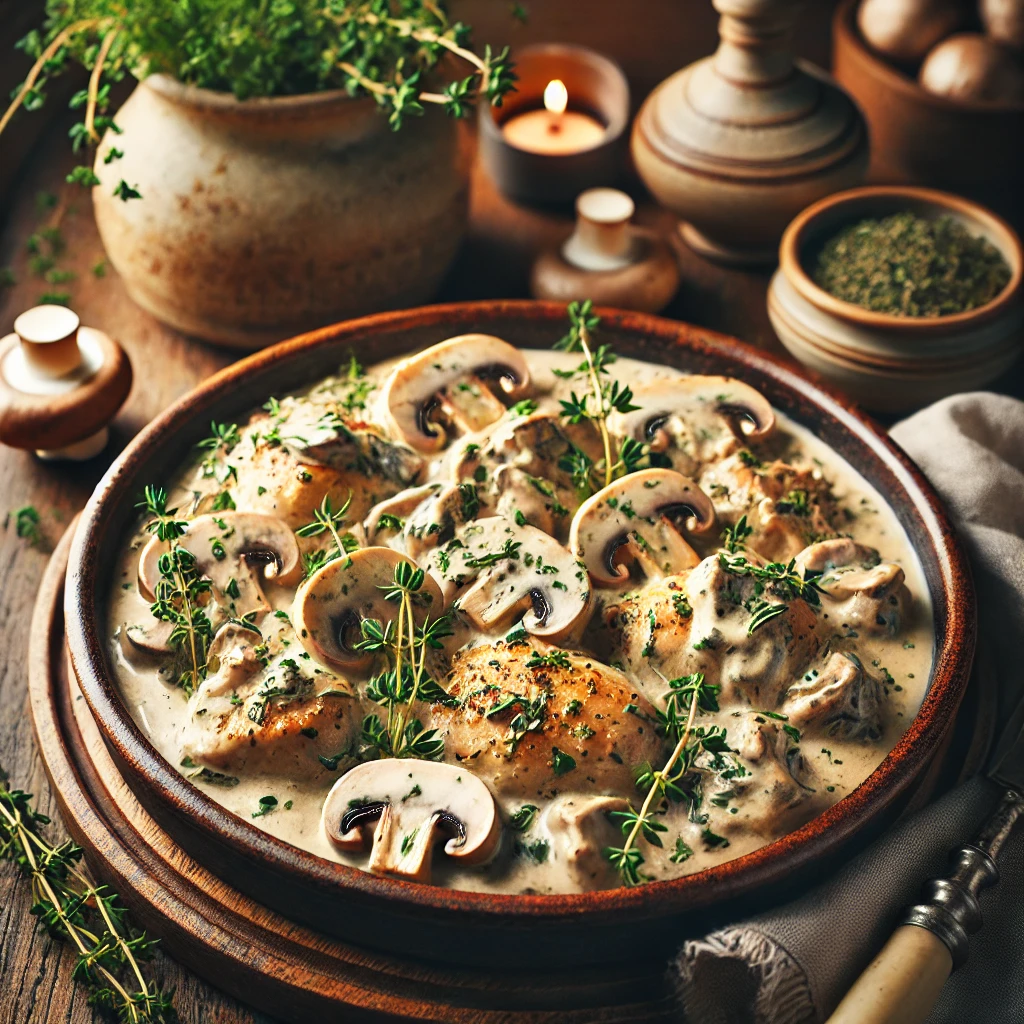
<point>90,917</point>
<point>327,519</point>
<point>601,399</point>
<point>180,590</point>
<point>371,48</point>
<point>665,784</point>
<point>404,646</point>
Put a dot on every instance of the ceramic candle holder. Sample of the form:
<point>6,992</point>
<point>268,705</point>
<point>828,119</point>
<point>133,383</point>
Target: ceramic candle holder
<point>608,259</point>
<point>596,87</point>
<point>60,385</point>
<point>737,144</point>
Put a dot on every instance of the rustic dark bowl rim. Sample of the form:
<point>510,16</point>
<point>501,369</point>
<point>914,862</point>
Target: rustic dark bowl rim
<point>844,23</point>
<point>860,203</point>
<point>770,864</point>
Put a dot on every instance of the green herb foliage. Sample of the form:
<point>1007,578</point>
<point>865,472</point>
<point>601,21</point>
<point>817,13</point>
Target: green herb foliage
<point>89,917</point>
<point>373,48</point>
<point>908,265</point>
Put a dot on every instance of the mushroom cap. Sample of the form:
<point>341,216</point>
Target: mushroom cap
<point>537,575</point>
<point>339,595</point>
<point>412,798</point>
<point>400,505</point>
<point>624,513</point>
<point>411,390</point>
<point>219,540</point>
<point>747,411</point>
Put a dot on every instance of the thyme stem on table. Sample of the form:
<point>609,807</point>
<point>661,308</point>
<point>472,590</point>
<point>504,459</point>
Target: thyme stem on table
<point>70,906</point>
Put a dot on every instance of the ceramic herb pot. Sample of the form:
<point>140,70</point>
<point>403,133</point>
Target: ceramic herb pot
<point>889,363</point>
<point>263,217</point>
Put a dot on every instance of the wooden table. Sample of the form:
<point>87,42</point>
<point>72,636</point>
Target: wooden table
<point>36,982</point>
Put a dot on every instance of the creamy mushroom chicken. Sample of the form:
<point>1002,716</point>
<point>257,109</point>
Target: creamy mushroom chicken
<point>445,627</point>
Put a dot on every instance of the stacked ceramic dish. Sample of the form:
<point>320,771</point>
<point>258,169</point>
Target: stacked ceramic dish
<point>892,363</point>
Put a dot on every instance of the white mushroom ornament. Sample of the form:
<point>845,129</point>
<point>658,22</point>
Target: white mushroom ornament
<point>330,605</point>
<point>634,519</point>
<point>674,407</point>
<point>508,570</point>
<point>449,382</point>
<point>237,552</point>
<point>412,806</point>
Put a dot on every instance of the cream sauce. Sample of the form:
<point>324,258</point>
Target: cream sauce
<point>834,767</point>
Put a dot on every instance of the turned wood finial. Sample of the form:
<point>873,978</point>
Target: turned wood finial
<point>738,143</point>
<point>608,258</point>
<point>60,384</point>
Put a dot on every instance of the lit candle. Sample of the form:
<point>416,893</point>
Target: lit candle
<point>555,130</point>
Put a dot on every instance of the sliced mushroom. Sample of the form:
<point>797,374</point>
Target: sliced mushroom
<point>243,547</point>
<point>633,519</point>
<point>448,381</point>
<point>843,700</point>
<point>399,506</point>
<point>331,604</point>
<point>746,411</point>
<point>152,637</point>
<point>231,658</point>
<point>862,593</point>
<point>512,569</point>
<point>414,805</point>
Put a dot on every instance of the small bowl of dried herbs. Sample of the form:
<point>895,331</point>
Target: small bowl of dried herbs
<point>900,295</point>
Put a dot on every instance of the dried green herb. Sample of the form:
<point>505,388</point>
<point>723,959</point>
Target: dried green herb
<point>911,266</point>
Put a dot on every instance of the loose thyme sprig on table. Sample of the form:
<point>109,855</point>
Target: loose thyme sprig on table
<point>406,680</point>
<point>602,398</point>
<point>71,907</point>
<point>249,49</point>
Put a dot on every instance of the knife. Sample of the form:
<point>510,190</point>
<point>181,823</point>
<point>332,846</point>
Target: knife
<point>903,983</point>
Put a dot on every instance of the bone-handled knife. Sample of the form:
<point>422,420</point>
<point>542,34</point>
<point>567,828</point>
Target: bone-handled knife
<point>902,983</point>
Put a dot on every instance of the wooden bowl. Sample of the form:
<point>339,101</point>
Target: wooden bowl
<point>894,363</point>
<point>918,138</point>
<point>550,932</point>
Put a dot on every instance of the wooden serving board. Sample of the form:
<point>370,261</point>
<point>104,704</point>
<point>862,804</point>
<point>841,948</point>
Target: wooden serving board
<point>248,951</point>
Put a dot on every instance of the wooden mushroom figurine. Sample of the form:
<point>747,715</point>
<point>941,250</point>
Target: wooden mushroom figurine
<point>60,385</point>
<point>331,604</point>
<point>608,259</point>
<point>508,569</point>
<point>634,520</point>
<point>412,805</point>
<point>448,384</point>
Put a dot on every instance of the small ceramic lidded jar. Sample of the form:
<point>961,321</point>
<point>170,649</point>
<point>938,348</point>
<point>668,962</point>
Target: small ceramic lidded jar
<point>60,385</point>
<point>608,259</point>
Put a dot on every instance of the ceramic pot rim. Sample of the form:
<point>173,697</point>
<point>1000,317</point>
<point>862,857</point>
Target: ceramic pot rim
<point>844,23</point>
<point>860,201</point>
<point>655,900</point>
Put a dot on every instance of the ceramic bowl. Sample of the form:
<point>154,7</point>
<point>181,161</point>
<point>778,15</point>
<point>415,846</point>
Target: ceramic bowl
<point>918,138</point>
<point>892,363</point>
<point>466,927</point>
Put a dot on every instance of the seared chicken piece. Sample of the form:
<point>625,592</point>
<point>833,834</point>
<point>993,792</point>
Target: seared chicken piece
<point>725,625</point>
<point>261,709</point>
<point>843,700</point>
<point>535,721</point>
<point>786,508</point>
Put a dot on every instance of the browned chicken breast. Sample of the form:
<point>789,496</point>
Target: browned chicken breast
<point>536,721</point>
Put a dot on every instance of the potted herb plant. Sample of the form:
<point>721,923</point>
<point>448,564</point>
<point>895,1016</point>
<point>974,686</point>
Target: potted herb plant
<point>271,171</point>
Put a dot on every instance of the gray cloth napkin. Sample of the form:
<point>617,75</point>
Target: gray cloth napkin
<point>794,964</point>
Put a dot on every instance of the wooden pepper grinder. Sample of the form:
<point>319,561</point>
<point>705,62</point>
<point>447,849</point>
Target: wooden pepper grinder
<point>60,385</point>
<point>608,259</point>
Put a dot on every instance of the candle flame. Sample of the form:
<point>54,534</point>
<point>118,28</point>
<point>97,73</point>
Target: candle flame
<point>556,96</point>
